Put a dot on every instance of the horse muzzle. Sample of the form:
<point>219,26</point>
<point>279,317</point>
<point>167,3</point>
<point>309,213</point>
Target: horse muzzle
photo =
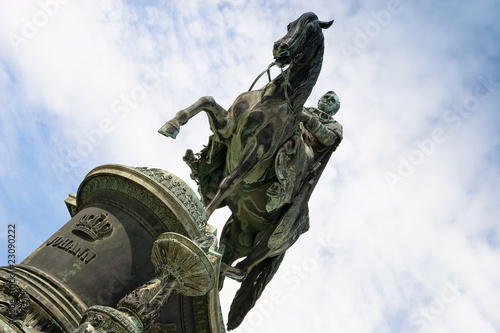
<point>281,54</point>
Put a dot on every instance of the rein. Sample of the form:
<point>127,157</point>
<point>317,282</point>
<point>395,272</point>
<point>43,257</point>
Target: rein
<point>260,75</point>
<point>287,84</point>
<point>285,75</point>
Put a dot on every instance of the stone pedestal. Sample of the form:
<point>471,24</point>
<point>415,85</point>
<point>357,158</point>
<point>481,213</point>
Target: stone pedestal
<point>103,253</point>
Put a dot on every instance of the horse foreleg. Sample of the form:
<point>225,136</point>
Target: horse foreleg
<point>219,118</point>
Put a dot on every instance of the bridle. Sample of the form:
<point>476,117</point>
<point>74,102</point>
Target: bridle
<point>285,75</point>
<point>268,70</point>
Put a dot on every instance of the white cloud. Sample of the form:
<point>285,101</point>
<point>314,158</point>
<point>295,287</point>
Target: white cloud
<point>395,247</point>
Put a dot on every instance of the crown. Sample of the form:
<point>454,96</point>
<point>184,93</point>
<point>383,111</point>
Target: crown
<point>93,226</point>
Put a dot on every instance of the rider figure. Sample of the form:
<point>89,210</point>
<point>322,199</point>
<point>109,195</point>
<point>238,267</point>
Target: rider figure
<point>300,158</point>
<point>325,131</point>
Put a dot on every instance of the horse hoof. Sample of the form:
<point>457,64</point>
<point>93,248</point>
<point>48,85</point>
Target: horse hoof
<point>169,130</point>
<point>232,272</point>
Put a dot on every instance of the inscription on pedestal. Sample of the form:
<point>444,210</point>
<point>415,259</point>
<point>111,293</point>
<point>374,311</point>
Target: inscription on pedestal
<point>73,247</point>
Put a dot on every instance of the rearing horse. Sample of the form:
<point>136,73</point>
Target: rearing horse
<point>241,167</point>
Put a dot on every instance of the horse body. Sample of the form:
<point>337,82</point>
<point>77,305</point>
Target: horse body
<point>260,126</point>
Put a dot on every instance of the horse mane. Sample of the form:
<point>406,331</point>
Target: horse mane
<point>303,91</point>
<point>299,95</point>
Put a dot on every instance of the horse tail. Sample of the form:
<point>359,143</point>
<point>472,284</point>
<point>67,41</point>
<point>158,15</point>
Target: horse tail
<point>251,288</point>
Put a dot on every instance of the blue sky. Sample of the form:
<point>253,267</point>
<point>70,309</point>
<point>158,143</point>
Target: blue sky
<point>404,223</point>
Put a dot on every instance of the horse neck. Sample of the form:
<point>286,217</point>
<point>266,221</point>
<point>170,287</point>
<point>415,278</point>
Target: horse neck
<point>302,79</point>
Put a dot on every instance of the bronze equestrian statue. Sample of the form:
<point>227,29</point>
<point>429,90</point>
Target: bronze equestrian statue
<point>263,161</point>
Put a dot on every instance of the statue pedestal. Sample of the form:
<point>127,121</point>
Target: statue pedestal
<point>104,253</point>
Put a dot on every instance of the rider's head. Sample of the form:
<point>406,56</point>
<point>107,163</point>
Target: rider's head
<point>329,103</point>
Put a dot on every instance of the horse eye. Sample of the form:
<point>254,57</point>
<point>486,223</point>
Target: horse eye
<point>309,25</point>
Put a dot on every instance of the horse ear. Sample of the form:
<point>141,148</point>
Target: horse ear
<point>325,25</point>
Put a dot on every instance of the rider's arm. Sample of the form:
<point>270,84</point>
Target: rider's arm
<point>326,134</point>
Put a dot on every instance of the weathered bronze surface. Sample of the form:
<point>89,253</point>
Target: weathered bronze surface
<point>264,160</point>
<point>138,255</point>
<point>103,254</point>
<point>181,266</point>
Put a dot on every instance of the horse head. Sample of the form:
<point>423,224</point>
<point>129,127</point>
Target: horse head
<point>302,41</point>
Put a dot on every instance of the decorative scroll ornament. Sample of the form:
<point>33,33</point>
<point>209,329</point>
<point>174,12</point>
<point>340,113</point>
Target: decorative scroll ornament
<point>93,226</point>
<point>181,191</point>
<point>104,319</point>
<point>14,301</point>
